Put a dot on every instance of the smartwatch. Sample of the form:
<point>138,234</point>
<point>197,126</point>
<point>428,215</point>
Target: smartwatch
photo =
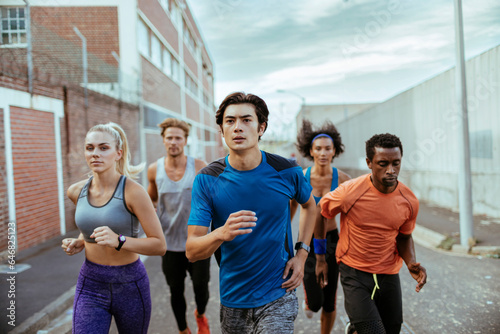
<point>121,241</point>
<point>302,245</point>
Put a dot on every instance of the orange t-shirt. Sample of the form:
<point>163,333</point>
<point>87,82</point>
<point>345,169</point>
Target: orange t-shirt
<point>370,222</point>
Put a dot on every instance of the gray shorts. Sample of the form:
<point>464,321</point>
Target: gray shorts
<point>276,317</point>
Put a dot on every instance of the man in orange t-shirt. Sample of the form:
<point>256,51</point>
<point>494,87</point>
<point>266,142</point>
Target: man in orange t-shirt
<point>378,215</point>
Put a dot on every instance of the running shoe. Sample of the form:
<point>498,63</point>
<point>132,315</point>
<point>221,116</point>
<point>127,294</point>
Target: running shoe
<point>202,323</point>
<point>307,310</point>
<point>349,329</point>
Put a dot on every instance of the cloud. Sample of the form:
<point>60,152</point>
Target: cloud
<point>329,51</point>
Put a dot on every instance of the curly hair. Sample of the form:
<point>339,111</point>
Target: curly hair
<point>385,140</point>
<point>307,133</point>
<point>261,109</point>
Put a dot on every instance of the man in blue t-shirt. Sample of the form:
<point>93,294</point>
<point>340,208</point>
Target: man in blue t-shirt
<point>245,198</point>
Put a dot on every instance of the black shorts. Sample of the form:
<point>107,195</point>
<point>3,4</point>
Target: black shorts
<point>386,304</point>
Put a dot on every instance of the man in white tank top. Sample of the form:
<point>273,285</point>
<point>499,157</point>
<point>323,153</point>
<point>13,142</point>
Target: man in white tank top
<point>170,183</point>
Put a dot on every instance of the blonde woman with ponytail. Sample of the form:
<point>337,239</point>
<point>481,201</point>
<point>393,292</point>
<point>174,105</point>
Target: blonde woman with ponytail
<point>110,206</point>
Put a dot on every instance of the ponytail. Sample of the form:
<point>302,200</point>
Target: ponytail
<point>123,165</point>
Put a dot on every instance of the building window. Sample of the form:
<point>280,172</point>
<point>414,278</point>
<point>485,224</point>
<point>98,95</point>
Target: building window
<point>153,117</point>
<point>206,99</point>
<point>191,85</point>
<point>143,39</point>
<point>188,38</point>
<point>167,63</point>
<point>156,56</point>
<point>174,14</point>
<point>176,70</point>
<point>13,27</point>
<point>165,4</point>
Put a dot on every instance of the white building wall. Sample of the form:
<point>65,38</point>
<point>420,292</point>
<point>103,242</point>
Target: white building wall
<point>426,119</point>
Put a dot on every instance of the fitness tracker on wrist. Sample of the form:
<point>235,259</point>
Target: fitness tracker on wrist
<point>121,241</point>
<point>302,245</point>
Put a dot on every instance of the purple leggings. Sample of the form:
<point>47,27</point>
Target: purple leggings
<point>106,291</point>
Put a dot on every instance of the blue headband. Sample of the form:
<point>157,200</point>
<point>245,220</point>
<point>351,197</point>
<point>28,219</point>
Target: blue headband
<point>321,135</point>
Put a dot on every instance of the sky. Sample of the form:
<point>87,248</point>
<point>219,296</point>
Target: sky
<point>336,51</point>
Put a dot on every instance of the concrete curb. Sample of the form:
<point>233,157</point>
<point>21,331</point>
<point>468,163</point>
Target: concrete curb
<point>485,250</point>
<point>427,237</point>
<point>431,239</point>
<point>43,318</point>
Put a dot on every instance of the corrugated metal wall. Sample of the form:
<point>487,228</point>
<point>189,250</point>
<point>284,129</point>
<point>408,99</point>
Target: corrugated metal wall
<point>426,119</point>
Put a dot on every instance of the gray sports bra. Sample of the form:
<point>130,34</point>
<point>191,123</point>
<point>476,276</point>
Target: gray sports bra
<point>113,214</point>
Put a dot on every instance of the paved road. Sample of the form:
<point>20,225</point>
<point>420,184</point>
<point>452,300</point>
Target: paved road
<point>462,295</point>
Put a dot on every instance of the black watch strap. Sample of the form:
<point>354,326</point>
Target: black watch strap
<point>121,241</point>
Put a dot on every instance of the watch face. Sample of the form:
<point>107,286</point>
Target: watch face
<point>122,238</point>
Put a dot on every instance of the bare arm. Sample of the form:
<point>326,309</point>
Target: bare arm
<point>320,233</point>
<point>293,203</point>
<point>199,164</point>
<point>152,189</point>
<point>320,230</point>
<point>293,208</point>
<point>74,246</point>
<point>406,250</point>
<point>343,177</point>
<point>74,191</point>
<point>296,263</point>
<point>200,245</point>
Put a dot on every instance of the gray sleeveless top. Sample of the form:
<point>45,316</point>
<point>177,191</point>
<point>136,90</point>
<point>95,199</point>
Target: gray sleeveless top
<point>113,214</point>
<point>174,204</point>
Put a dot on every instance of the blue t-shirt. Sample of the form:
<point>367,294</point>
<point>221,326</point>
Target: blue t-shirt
<point>251,265</point>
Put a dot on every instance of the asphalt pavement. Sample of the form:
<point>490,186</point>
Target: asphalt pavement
<point>44,280</point>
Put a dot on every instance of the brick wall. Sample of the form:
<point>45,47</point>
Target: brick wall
<point>157,15</point>
<point>4,209</point>
<point>57,49</point>
<point>190,61</point>
<point>35,176</point>
<point>61,20</point>
<point>192,109</point>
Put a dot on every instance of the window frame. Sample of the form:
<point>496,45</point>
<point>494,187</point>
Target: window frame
<point>9,31</point>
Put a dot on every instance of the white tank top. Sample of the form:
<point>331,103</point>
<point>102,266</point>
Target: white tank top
<point>174,204</point>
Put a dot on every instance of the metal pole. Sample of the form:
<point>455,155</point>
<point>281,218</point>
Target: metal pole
<point>302,105</point>
<point>115,55</point>
<point>142,132</point>
<point>30,48</point>
<point>303,99</point>
<point>85,65</point>
<point>464,170</point>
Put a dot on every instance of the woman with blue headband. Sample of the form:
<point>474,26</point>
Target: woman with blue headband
<point>321,146</point>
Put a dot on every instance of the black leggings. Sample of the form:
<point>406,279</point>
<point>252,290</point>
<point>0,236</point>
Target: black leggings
<point>317,297</point>
<point>175,265</point>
